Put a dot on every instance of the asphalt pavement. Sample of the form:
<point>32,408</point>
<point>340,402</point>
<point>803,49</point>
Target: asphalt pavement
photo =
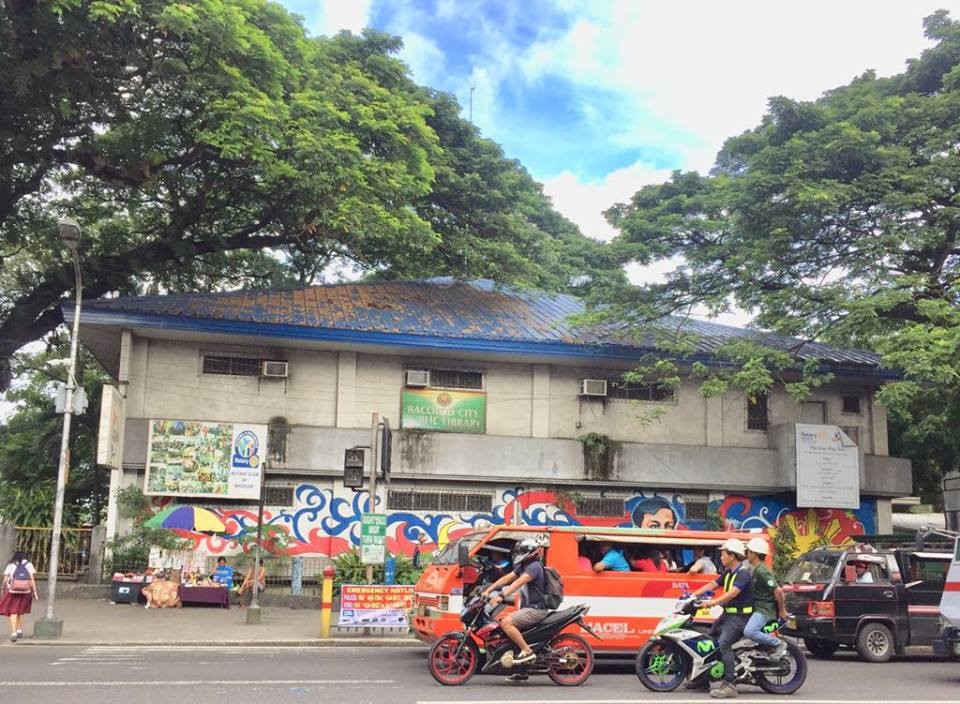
<point>173,674</point>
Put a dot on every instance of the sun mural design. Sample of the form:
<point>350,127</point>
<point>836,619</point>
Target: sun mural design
<point>813,527</point>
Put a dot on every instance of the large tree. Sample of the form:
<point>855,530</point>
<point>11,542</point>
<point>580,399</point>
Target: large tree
<point>214,144</point>
<point>833,220</point>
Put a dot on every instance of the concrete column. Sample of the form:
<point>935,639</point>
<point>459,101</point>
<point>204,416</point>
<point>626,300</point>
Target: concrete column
<point>123,385</point>
<point>884,516</point>
<point>95,563</point>
<point>540,408</point>
<point>346,389</point>
<point>714,419</point>
<point>878,429</point>
<point>8,541</point>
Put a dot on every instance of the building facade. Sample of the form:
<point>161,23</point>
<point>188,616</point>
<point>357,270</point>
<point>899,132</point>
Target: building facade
<point>501,412</point>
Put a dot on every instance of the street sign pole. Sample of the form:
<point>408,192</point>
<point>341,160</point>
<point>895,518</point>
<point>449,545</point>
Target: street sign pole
<point>372,502</point>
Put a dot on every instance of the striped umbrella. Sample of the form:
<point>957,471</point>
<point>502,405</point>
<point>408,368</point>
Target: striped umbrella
<point>192,518</point>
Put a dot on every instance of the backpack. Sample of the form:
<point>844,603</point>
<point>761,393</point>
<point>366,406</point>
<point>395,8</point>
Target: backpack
<point>20,582</point>
<point>552,588</point>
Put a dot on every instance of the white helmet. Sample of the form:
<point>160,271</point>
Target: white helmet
<point>735,546</point>
<point>758,546</point>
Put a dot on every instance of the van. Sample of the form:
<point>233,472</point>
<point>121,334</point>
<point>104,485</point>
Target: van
<point>876,602</point>
<point>948,642</point>
<point>624,606</point>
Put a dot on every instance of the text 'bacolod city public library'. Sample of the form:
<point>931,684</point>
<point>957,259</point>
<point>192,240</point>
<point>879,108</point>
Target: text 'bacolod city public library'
<point>501,411</point>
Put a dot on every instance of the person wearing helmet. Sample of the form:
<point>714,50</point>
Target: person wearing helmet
<point>768,600</point>
<point>527,574</point>
<point>737,603</point>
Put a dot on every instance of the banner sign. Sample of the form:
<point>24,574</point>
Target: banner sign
<point>375,605</point>
<point>197,458</point>
<point>110,435</point>
<point>828,468</point>
<point>445,411</point>
<point>373,538</point>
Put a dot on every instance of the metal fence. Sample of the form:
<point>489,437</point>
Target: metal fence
<point>74,549</point>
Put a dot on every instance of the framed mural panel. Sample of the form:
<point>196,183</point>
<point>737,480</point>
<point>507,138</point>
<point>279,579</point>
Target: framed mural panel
<point>205,459</point>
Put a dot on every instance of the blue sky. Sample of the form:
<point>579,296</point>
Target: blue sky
<point>600,97</point>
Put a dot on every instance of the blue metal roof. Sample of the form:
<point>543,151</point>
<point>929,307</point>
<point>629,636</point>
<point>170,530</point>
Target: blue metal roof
<point>475,315</point>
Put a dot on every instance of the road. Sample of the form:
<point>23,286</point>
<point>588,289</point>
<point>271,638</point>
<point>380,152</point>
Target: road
<point>173,675</point>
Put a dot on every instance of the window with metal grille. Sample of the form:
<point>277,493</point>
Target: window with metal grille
<point>695,508</point>
<point>233,366</point>
<point>853,432</point>
<point>438,501</point>
<point>454,379</point>
<point>851,404</point>
<point>757,413</point>
<point>639,391</point>
<point>599,507</point>
<point>278,496</point>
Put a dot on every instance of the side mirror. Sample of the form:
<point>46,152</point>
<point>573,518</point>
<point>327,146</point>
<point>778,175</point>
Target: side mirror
<point>463,554</point>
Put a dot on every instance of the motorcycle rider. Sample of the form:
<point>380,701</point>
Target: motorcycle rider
<point>737,603</point>
<point>768,600</point>
<point>527,572</point>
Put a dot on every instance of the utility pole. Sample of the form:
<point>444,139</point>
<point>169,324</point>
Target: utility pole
<point>472,88</point>
<point>372,503</point>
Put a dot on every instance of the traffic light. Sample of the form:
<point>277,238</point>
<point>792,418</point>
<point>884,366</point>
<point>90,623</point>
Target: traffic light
<point>353,468</point>
<point>386,448</point>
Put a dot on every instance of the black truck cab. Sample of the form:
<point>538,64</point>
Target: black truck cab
<point>878,602</point>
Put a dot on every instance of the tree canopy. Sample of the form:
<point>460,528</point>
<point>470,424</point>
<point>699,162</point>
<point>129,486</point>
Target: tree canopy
<point>833,220</point>
<point>214,144</point>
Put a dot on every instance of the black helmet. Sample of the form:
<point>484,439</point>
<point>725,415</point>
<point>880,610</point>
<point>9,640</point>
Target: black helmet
<point>524,550</point>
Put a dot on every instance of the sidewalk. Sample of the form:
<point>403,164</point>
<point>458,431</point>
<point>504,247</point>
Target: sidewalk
<point>98,622</point>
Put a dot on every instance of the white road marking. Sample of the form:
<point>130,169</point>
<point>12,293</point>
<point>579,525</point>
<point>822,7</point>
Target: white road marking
<point>188,683</point>
<point>660,700</point>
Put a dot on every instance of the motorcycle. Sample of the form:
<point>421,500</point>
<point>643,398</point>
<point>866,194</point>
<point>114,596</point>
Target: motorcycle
<point>677,653</point>
<point>566,658</point>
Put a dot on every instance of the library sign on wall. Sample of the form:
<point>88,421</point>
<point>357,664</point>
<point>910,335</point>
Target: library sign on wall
<point>445,411</point>
<point>828,468</point>
<point>205,459</point>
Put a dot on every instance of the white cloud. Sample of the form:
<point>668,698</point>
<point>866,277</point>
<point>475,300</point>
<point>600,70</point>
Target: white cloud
<point>583,202</point>
<point>424,57</point>
<point>335,15</point>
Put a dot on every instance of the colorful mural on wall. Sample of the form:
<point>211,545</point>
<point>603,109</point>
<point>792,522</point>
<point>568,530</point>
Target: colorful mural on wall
<point>324,523</point>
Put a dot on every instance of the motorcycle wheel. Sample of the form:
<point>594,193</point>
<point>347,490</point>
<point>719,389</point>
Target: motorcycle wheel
<point>447,666</point>
<point>662,666</point>
<point>571,660</point>
<point>789,683</point>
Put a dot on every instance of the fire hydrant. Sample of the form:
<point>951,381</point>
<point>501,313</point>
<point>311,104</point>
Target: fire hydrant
<point>326,600</point>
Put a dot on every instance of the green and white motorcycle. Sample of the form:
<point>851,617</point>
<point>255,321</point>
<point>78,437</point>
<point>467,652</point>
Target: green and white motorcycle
<point>677,653</point>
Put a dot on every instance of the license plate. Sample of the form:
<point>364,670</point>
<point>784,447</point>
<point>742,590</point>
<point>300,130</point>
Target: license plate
<point>791,623</point>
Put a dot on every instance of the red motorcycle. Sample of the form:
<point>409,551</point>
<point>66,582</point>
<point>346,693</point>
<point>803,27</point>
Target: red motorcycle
<point>566,658</point>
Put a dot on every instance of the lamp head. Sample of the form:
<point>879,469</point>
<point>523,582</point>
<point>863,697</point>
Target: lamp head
<point>70,233</point>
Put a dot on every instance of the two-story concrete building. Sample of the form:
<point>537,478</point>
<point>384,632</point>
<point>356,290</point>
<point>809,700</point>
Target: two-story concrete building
<point>501,410</point>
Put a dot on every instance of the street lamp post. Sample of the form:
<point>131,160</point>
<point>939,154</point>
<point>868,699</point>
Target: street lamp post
<point>50,626</point>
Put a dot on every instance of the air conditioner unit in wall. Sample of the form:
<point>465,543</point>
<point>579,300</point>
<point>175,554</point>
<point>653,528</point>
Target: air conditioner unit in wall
<point>273,370</point>
<point>593,387</point>
<point>417,378</point>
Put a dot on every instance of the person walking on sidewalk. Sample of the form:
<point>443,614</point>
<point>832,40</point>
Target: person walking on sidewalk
<point>18,592</point>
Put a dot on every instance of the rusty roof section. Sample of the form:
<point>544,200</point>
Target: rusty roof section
<point>444,308</point>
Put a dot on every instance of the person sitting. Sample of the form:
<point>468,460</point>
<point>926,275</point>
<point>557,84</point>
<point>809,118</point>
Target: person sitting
<point>223,574</point>
<point>650,562</point>
<point>611,559</point>
<point>862,570</point>
<point>702,563</point>
<point>247,586</point>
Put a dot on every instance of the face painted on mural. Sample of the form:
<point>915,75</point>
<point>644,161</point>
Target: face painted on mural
<point>654,512</point>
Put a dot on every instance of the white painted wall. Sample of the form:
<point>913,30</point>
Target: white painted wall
<point>330,389</point>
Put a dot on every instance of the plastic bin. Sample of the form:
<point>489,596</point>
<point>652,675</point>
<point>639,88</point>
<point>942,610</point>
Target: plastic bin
<point>125,592</point>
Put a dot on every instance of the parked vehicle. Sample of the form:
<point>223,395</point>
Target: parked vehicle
<point>949,641</point>
<point>624,606</point>
<point>677,653</point>
<point>566,658</point>
<point>892,603</point>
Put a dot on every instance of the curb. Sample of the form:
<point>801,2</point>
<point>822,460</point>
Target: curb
<point>315,643</point>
